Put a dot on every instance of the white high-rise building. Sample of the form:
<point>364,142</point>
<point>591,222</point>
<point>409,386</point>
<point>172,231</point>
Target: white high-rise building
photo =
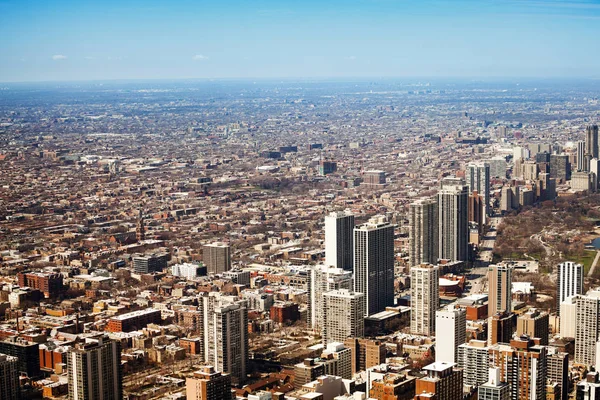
<point>453,227</point>
<point>343,316</point>
<point>587,327</point>
<point>224,334</point>
<point>94,370</point>
<point>478,179</point>
<point>568,317</point>
<point>423,233</point>
<point>473,358</point>
<point>339,237</point>
<point>374,264</point>
<point>450,332</point>
<point>570,281</point>
<point>322,279</point>
<point>424,298</point>
<point>495,388</point>
<point>185,270</point>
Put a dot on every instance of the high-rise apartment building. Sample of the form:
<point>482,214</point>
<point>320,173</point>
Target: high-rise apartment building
<point>224,334</point>
<point>27,354</point>
<point>500,328</point>
<point>568,317</point>
<point>94,370</point>
<point>9,378</point>
<point>534,324</point>
<point>591,143</point>
<point>343,315</point>
<point>339,238</point>
<point>450,332</point>
<point>560,168</point>
<point>478,179</point>
<point>500,286</point>
<point>474,360</point>
<point>374,264</point>
<point>558,371</point>
<point>587,327</point>
<point>423,233</point>
<point>208,384</point>
<point>339,360</point>
<point>495,388</point>
<point>323,279</point>
<point>216,257</point>
<point>442,380</point>
<point>366,353</point>
<point>570,281</point>
<point>522,365</point>
<point>424,298</point>
<point>453,227</point>
<point>581,158</point>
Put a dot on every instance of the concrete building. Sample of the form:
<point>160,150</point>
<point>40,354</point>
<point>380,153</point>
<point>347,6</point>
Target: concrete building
<point>323,279</point>
<point>570,281</point>
<point>500,328</point>
<point>423,233</point>
<point>494,388</point>
<point>27,354</point>
<point>473,359</point>
<point>506,199</point>
<point>94,370</point>
<point>534,324</point>
<point>582,181</point>
<point>365,353</point>
<point>224,334</point>
<point>307,371</point>
<point>522,365</point>
<point>216,257</point>
<point>453,227</point>
<point>589,388</point>
<point>478,180</point>
<point>425,298</point>
<point>343,316</point>
<point>587,327</point>
<point>393,387</point>
<point>581,159</point>
<point>374,264</point>
<point>208,384</point>
<point>450,332</point>
<point>442,380</point>
<point>185,270</point>
<point>339,237</point>
<point>558,371</point>
<point>568,317</point>
<point>560,169</point>
<point>591,143</point>
<point>499,291</point>
<point>342,356</point>
<point>150,263</point>
<point>9,378</point>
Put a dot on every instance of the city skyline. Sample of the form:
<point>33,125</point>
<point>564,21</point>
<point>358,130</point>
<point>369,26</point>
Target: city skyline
<point>175,40</point>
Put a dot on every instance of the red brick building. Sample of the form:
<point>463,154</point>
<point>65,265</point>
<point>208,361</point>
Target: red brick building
<point>134,320</point>
<point>51,285</point>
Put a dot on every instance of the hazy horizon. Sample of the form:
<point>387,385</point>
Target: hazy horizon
<point>70,40</point>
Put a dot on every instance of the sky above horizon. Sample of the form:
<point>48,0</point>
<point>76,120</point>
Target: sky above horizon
<point>62,40</point>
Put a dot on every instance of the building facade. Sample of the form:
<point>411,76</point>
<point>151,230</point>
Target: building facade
<point>423,234</point>
<point>425,298</point>
<point>339,238</point>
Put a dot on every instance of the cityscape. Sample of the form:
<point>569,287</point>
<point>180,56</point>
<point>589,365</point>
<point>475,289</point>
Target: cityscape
<point>355,236</point>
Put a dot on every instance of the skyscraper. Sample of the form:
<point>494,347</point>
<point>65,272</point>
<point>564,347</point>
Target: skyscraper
<point>216,257</point>
<point>582,164</point>
<point>343,316</point>
<point>374,264</point>
<point>560,168</point>
<point>224,334</point>
<point>570,281</point>
<point>478,179</point>
<point>322,279</point>
<point>591,143</point>
<point>453,227</point>
<point>499,292</point>
<point>425,298</point>
<point>473,359</point>
<point>523,366</point>
<point>423,236</point>
<point>9,378</point>
<point>587,327</point>
<point>450,332</point>
<point>208,384</point>
<point>339,237</point>
<point>94,370</point>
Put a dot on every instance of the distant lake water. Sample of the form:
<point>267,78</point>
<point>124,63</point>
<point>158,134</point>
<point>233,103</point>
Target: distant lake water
<point>596,243</point>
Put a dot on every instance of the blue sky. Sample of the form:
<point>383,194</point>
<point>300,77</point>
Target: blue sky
<point>147,39</point>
